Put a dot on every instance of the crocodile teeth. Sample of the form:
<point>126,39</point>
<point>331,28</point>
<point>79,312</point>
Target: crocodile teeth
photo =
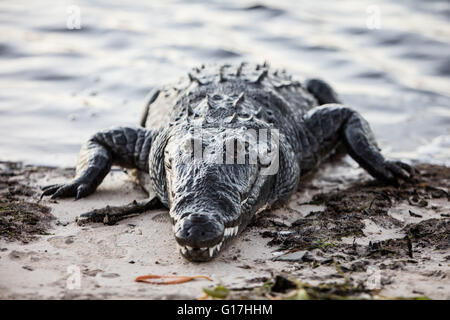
<point>211,250</point>
<point>231,231</point>
<point>182,249</point>
<point>185,249</point>
<point>217,248</point>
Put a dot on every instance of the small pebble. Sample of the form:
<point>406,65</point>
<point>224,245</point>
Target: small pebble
<point>110,275</point>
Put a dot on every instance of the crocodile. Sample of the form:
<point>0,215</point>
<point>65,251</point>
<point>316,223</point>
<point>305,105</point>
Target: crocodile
<point>193,154</point>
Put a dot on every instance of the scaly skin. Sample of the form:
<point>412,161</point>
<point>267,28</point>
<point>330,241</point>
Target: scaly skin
<point>210,202</point>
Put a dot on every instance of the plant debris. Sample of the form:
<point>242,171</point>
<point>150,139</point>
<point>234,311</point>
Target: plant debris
<point>218,292</point>
<point>168,279</point>
<point>347,210</point>
<point>356,230</point>
<point>282,287</point>
<point>20,219</point>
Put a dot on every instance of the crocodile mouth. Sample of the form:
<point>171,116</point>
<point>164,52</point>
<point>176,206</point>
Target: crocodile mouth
<point>206,253</point>
<point>205,247</point>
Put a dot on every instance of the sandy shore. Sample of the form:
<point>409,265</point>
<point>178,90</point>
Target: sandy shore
<point>109,258</point>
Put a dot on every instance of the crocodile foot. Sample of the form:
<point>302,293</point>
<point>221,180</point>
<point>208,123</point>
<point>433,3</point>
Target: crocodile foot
<point>392,171</point>
<point>75,189</point>
<point>110,215</point>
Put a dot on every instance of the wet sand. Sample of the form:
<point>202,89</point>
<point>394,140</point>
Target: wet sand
<point>314,240</point>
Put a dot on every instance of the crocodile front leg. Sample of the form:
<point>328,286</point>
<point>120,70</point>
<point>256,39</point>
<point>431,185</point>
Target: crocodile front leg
<point>127,147</point>
<point>325,127</point>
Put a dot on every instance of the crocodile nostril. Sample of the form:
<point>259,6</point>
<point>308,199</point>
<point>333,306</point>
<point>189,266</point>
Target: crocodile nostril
<point>199,230</point>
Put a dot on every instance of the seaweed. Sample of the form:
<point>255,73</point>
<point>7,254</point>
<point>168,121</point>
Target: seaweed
<point>20,219</point>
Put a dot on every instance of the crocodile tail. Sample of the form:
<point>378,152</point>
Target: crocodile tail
<point>150,99</point>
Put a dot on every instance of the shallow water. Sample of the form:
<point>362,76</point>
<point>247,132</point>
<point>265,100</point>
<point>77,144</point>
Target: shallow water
<point>58,86</point>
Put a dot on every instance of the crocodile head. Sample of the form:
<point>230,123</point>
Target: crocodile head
<point>213,189</point>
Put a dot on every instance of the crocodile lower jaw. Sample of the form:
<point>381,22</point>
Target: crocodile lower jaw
<point>208,252</point>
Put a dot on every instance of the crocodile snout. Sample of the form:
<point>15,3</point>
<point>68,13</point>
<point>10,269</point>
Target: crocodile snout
<point>199,236</point>
<point>199,230</point>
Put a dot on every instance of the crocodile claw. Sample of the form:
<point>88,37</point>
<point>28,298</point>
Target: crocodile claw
<point>395,170</point>
<point>72,189</point>
<point>97,215</point>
